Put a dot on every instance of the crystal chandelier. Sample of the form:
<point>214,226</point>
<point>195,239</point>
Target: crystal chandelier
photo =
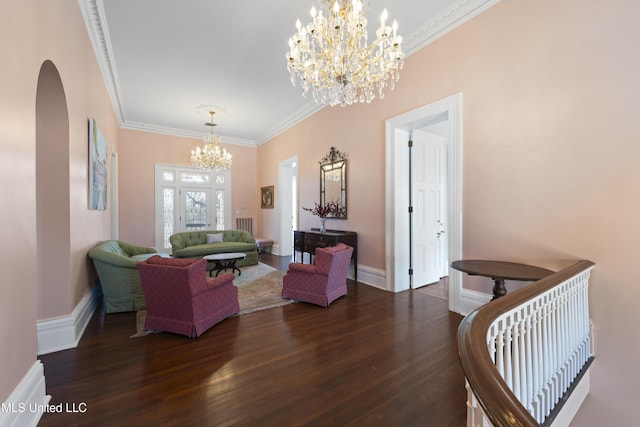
<point>331,58</point>
<point>211,156</point>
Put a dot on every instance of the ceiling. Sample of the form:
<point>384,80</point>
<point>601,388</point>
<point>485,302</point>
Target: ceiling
<point>165,62</point>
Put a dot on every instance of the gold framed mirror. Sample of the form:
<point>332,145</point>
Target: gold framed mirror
<point>333,182</point>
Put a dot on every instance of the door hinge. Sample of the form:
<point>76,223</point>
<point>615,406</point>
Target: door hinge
<point>410,143</point>
<point>411,272</point>
<point>410,209</point>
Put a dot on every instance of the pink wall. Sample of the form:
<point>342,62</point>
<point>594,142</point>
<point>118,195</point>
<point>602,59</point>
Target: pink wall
<point>550,95</point>
<point>351,132</point>
<point>30,33</point>
<point>550,161</point>
<point>17,186</point>
<point>140,151</point>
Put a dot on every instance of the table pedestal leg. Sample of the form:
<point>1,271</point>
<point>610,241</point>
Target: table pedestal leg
<point>499,290</point>
<point>223,266</point>
<point>234,267</point>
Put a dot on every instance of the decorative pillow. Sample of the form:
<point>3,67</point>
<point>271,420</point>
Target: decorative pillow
<point>214,238</point>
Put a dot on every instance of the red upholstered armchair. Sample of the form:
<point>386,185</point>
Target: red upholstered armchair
<point>321,282</point>
<point>182,299</point>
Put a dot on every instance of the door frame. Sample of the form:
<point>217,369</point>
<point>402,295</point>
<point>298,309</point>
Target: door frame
<point>396,196</point>
<point>177,185</point>
<point>115,209</point>
<point>285,199</point>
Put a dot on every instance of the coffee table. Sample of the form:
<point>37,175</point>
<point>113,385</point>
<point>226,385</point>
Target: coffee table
<point>500,271</point>
<point>223,262</point>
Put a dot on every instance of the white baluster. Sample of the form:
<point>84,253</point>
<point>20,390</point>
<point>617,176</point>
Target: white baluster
<point>540,347</point>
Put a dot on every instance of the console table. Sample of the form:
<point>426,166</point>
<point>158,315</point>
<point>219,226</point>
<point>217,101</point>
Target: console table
<point>308,240</point>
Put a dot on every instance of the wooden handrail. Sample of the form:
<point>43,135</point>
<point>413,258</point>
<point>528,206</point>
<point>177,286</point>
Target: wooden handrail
<point>499,403</point>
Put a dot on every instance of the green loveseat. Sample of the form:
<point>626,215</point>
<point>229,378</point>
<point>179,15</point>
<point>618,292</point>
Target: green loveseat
<point>115,262</point>
<point>193,244</point>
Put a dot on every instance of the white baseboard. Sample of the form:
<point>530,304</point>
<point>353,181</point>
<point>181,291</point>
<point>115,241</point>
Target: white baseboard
<point>471,300</point>
<point>65,332</point>
<point>371,276</point>
<point>24,406</point>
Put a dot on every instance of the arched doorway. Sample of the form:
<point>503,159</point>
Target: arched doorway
<point>52,194</point>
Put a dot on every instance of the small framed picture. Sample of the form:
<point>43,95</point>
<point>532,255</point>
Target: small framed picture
<point>266,197</point>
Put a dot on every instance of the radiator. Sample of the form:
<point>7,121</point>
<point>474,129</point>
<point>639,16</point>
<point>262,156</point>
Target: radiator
<point>245,224</point>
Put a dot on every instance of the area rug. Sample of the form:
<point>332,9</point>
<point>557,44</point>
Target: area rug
<point>259,288</point>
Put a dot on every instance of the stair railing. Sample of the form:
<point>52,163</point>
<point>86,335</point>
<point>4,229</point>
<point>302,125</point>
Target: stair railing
<point>522,353</point>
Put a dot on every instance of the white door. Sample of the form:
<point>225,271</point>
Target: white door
<point>287,205</point>
<point>428,182</point>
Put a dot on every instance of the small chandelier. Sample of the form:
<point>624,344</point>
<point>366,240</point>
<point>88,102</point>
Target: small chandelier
<point>330,56</point>
<point>211,156</point>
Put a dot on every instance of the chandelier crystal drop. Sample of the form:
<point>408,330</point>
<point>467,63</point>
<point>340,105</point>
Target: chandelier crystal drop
<point>211,156</point>
<point>330,57</point>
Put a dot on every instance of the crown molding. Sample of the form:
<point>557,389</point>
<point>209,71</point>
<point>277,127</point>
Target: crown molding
<point>93,14</point>
<point>447,20</point>
<point>94,17</point>
<point>165,130</point>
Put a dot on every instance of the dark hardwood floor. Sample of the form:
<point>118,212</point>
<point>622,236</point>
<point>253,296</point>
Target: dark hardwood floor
<point>373,358</point>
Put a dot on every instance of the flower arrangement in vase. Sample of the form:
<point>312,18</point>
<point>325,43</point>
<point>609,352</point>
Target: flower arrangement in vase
<point>323,211</point>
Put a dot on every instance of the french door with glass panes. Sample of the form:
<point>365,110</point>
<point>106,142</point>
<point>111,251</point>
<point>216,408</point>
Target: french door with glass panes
<point>189,199</point>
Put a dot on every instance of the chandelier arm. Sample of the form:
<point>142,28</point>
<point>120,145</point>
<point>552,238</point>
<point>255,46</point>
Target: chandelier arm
<point>322,49</point>
<point>330,41</point>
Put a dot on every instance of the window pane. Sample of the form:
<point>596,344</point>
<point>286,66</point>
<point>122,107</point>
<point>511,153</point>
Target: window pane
<point>169,176</point>
<point>195,207</point>
<point>195,178</point>
<point>220,210</point>
<point>220,179</point>
<point>167,216</point>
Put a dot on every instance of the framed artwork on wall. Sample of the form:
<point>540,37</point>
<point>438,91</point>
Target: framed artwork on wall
<point>97,167</point>
<point>266,197</point>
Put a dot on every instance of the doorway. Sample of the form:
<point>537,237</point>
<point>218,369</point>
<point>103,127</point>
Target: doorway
<point>53,212</point>
<point>438,117</point>
<point>190,199</point>
<point>288,204</point>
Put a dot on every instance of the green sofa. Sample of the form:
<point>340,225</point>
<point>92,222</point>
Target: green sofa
<point>193,244</point>
<point>115,262</point>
